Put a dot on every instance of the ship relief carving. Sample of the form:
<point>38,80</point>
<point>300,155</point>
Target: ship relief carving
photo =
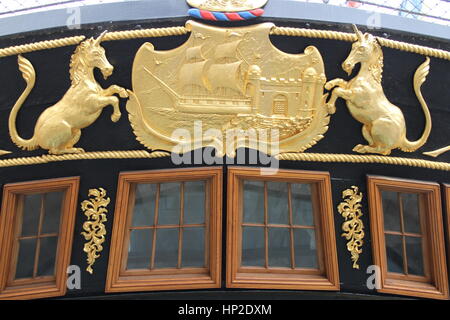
<point>228,78</point>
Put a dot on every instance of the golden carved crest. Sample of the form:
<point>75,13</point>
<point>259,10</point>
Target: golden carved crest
<point>227,5</point>
<point>384,125</point>
<point>353,227</point>
<point>58,128</point>
<point>94,229</point>
<point>228,78</point>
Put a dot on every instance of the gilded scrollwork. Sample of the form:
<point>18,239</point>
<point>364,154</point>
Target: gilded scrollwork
<point>384,125</point>
<point>94,229</point>
<point>58,128</point>
<point>353,227</point>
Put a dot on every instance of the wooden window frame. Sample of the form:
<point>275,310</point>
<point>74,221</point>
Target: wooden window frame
<point>119,280</point>
<point>48,286</point>
<point>447,215</point>
<point>283,278</point>
<point>433,234</point>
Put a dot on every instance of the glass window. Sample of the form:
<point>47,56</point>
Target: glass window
<point>407,236</point>
<point>278,226</point>
<point>171,230</point>
<point>39,217</point>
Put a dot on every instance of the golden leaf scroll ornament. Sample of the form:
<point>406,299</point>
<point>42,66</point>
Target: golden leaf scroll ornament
<point>95,210</point>
<point>384,125</point>
<point>353,227</point>
<point>228,79</point>
<point>58,128</point>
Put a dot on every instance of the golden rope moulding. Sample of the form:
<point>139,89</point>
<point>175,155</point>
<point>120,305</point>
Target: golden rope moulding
<point>95,211</point>
<point>350,209</point>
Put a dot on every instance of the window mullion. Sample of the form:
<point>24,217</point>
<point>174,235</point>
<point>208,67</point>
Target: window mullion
<point>402,228</point>
<point>38,238</point>
<point>291,229</point>
<point>266,229</point>
<point>155,224</point>
<point>180,229</point>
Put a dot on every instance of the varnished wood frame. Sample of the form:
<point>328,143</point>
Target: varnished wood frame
<point>447,215</point>
<point>162,279</point>
<point>277,278</point>
<point>431,213</point>
<point>48,286</point>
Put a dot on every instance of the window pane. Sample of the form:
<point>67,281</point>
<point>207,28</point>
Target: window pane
<point>25,260</point>
<point>47,256</point>
<point>166,255</point>
<point>169,203</point>
<point>31,213</point>
<point>305,248</point>
<point>194,202</point>
<point>253,201</point>
<point>193,247</point>
<point>391,211</point>
<point>277,203</point>
<point>394,253</point>
<point>140,249</point>
<point>279,247</point>
<point>410,202</point>
<point>53,204</point>
<point>144,204</point>
<point>302,210</point>
<point>414,254</point>
<point>253,251</point>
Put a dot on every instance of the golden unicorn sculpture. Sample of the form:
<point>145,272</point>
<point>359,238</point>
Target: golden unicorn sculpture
<point>58,128</point>
<point>384,125</point>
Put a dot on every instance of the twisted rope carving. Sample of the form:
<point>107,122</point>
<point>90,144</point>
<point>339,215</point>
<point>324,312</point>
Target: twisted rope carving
<point>174,31</point>
<point>42,45</point>
<point>313,157</point>
<point>131,154</point>
<point>331,157</point>
<point>343,36</point>
<point>145,33</point>
<point>313,33</point>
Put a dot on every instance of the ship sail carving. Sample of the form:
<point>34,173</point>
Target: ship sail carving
<point>225,76</point>
<point>192,75</point>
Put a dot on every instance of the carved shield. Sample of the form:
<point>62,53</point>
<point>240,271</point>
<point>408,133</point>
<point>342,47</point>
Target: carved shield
<point>223,80</point>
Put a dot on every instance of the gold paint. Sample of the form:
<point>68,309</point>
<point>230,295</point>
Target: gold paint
<point>310,157</point>
<point>384,125</point>
<point>227,5</point>
<point>41,45</point>
<point>58,128</point>
<point>174,31</point>
<point>351,37</point>
<point>229,78</point>
<point>120,154</point>
<point>353,158</point>
<point>350,209</point>
<point>438,152</point>
<point>94,229</point>
<point>3,152</point>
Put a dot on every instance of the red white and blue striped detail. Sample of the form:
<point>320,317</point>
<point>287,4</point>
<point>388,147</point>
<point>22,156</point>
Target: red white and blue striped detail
<point>225,16</point>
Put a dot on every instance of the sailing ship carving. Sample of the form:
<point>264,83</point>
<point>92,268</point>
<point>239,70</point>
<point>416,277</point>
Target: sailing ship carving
<point>228,78</point>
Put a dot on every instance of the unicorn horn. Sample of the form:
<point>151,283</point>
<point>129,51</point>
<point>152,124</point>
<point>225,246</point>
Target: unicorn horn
<point>358,33</point>
<point>100,37</point>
